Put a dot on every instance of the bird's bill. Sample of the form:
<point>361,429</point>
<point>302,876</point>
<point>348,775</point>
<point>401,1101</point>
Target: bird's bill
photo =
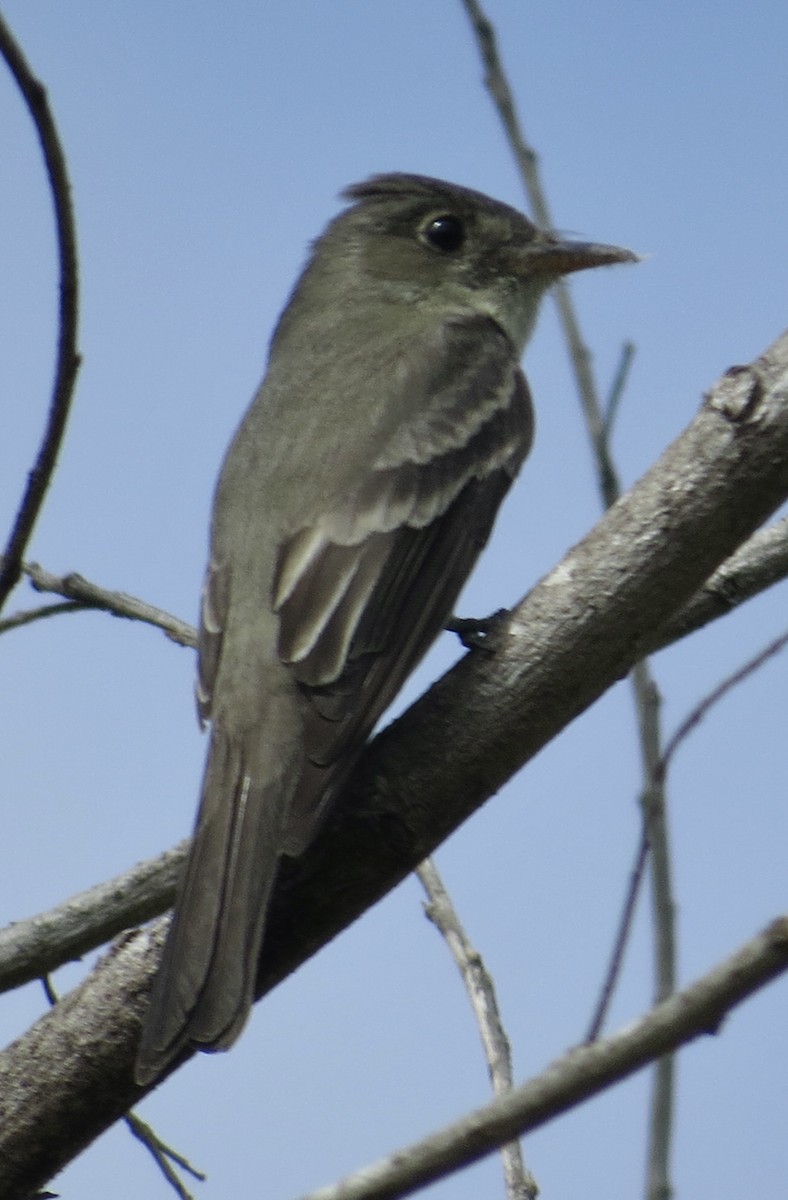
<point>556,257</point>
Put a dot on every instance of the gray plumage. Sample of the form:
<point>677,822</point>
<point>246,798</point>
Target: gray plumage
<point>352,504</point>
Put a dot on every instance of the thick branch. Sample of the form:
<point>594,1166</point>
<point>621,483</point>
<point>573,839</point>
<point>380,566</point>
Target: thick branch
<point>580,630</point>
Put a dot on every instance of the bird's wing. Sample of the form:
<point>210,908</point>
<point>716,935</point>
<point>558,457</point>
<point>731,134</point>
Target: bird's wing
<point>363,591</point>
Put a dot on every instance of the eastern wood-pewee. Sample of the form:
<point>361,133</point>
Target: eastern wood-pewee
<point>353,502</point>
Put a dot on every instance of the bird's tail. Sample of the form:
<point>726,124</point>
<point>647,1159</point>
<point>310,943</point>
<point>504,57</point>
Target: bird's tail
<point>204,988</point>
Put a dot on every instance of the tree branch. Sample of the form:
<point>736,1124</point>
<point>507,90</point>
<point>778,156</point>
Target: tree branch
<point>44,942</point>
<point>67,356</point>
<point>577,632</point>
<point>528,166</point>
<point>757,565</point>
<point>581,1073</point>
<point>29,616</point>
<point>40,944</point>
<point>118,604</point>
<point>520,1183</point>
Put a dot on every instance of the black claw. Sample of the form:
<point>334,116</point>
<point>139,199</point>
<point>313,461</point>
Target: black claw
<point>478,633</point>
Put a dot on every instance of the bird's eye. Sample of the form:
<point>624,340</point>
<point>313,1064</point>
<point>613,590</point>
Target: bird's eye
<point>446,233</point>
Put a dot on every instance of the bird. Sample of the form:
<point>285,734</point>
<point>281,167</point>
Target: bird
<point>352,504</point>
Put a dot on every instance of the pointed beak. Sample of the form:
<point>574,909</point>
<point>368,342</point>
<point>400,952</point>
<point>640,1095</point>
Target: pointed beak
<point>555,257</point>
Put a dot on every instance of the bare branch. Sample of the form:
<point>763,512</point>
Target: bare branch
<point>757,565</point>
<point>656,838</point>
<point>164,1155</point>
<point>701,710</point>
<point>617,389</point>
<point>581,1073</point>
<point>621,939</point>
<point>33,947</point>
<point>498,87</point>
<point>118,604</point>
<point>520,1183</point>
<point>528,166</point>
<point>67,356</point>
<point>30,615</point>
<point>598,425</point>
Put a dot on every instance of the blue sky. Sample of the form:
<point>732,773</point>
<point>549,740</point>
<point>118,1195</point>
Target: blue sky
<point>207,143</point>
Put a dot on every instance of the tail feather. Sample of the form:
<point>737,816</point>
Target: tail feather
<point>205,984</point>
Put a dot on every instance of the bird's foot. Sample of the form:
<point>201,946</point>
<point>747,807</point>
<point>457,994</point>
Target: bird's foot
<point>478,633</point>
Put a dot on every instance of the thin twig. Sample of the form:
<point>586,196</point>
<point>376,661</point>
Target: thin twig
<point>655,825</point>
<point>617,388</point>
<point>520,1183</point>
<point>599,428</point>
<point>658,1182</point>
<point>118,604</point>
<point>29,615</point>
<point>528,166</point>
<point>49,989</point>
<point>701,710</point>
<point>163,1155</point>
<point>620,941</point>
<point>67,357</point>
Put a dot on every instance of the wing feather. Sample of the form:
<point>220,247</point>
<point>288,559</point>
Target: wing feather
<point>362,590</point>
<point>408,579</point>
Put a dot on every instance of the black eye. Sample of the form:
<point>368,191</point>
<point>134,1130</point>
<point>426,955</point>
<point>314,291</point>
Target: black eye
<point>445,233</point>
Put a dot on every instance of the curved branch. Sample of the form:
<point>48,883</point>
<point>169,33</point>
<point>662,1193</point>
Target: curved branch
<point>28,616</point>
<point>67,357</point>
<point>701,709</point>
